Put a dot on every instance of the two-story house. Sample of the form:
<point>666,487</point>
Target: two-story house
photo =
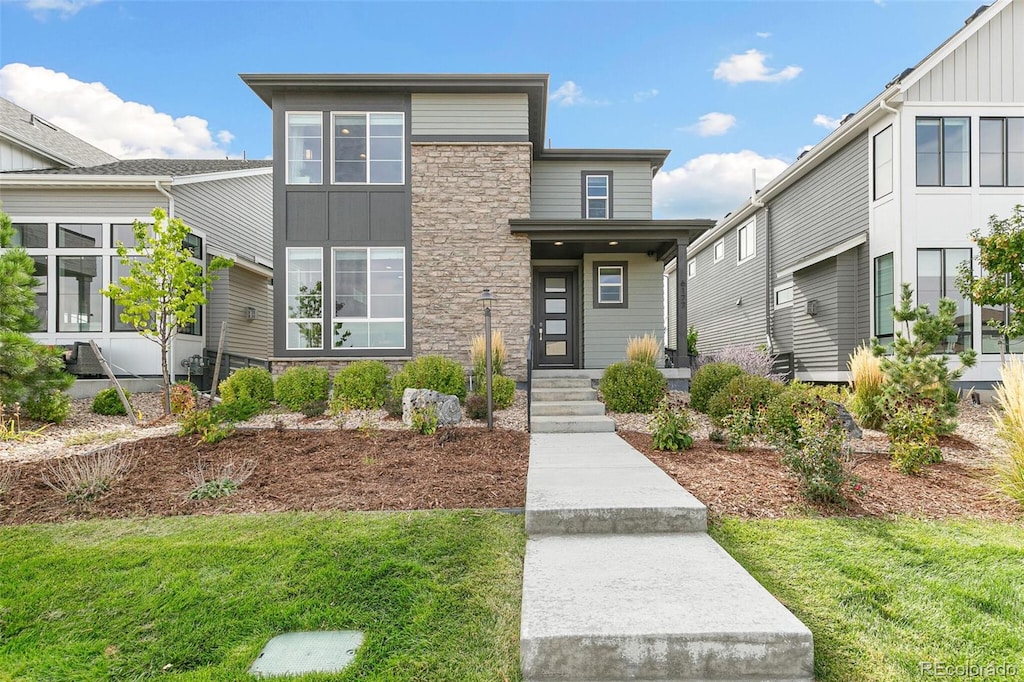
<point>812,265</point>
<point>399,198</point>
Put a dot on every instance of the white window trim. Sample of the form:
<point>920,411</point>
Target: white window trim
<point>369,294</point>
<point>607,197</point>
<point>775,298</point>
<point>714,250</point>
<point>752,225</point>
<point>691,268</point>
<point>367,114</point>
<point>301,320</point>
<point>621,286</point>
<point>287,147</point>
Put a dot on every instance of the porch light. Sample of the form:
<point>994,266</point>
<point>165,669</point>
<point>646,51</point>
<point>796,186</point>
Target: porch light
<point>613,243</point>
<point>487,299</point>
<point>559,243</point>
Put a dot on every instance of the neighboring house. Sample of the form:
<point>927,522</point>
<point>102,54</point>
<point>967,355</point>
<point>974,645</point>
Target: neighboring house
<point>70,219</point>
<point>398,198</point>
<point>29,142</point>
<point>812,266</point>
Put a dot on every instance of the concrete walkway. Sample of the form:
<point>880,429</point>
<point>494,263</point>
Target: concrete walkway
<point>622,582</point>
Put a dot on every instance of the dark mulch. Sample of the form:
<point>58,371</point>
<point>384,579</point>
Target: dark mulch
<point>754,484</point>
<point>300,470</point>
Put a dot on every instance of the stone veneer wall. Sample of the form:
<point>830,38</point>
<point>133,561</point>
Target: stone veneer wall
<point>463,196</point>
<point>279,365</point>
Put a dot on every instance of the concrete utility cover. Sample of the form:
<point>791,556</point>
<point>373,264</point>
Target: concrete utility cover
<point>296,653</point>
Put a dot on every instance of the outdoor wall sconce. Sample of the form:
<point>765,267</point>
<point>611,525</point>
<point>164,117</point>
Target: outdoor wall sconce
<point>812,307</point>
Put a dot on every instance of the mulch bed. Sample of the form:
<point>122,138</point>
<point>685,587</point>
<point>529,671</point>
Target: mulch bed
<point>753,484</point>
<point>299,470</point>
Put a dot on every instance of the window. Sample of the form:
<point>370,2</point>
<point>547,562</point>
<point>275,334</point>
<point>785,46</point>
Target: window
<point>883,163</point>
<point>29,235</point>
<point>79,301</point>
<point>747,237</point>
<point>943,152</point>
<point>784,296</point>
<point>369,298</point>
<point>124,233</point>
<point>597,196</point>
<point>79,236</point>
<point>936,272</point>
<point>1002,152</point>
<point>304,153</point>
<point>194,245</point>
<point>884,298</point>
<point>369,148</point>
<point>691,268</point>
<point>117,271</point>
<point>304,298</point>
<point>610,285</point>
<point>991,340</point>
<point>719,250</point>
<point>42,300</point>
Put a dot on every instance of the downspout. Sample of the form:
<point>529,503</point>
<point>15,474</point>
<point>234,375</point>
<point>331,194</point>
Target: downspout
<point>769,291</point>
<point>170,198</point>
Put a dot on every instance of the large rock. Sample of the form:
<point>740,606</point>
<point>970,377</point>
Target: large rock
<point>852,430</point>
<point>446,407</point>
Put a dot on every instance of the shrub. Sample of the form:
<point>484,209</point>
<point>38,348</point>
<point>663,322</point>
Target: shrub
<point>632,387</point>
<point>503,391</point>
<point>819,458</point>
<point>393,405</point>
<point>300,385</point>
<point>709,380</point>
<point>314,409</point>
<point>183,397</point>
<point>431,372</point>
<point>670,428</point>
<point>750,358</point>
<point>251,382</point>
<point>83,478</point>
<point>217,423</point>
<point>779,421</point>
<point>913,428</point>
<point>227,479</point>
<point>866,380</point>
<point>478,355</point>
<point>108,403</point>
<point>643,349</point>
<point>476,406</point>
<point>744,393</point>
<point>424,420</point>
<point>691,341</point>
<point>51,406</point>
<point>1010,428</point>
<point>363,385</point>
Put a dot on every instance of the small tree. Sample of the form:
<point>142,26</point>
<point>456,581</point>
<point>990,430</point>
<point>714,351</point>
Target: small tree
<point>164,287</point>
<point>1001,282</point>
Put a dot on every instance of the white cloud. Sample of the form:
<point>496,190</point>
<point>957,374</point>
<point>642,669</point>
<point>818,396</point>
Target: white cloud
<point>713,123</point>
<point>711,185</point>
<point>128,130</point>
<point>569,94</point>
<point>826,121</point>
<point>805,148</point>
<point>750,66</point>
<point>763,34</point>
<point>66,8</point>
<point>645,95</point>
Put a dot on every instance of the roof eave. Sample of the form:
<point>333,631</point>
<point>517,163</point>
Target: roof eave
<point>36,149</point>
<point>58,180</point>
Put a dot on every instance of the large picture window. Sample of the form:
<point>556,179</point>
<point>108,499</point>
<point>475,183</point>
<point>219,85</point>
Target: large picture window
<point>882,150</point>
<point>79,301</point>
<point>884,298</point>
<point>304,298</point>
<point>369,148</point>
<point>936,275</point>
<point>304,155</point>
<point>943,152</point>
<point>369,298</point>
<point>1002,152</point>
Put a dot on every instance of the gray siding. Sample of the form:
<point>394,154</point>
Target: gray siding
<point>816,337</point>
<point>479,115</point>
<point>236,290</point>
<point>606,330</point>
<point>672,295</point>
<point>782,329</point>
<point>14,157</point>
<point>236,214</point>
<point>555,190</point>
<point>987,67</point>
<point>81,203</point>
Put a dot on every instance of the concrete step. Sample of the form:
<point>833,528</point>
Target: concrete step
<point>651,607</point>
<point>561,382</point>
<point>599,484</point>
<point>563,394</point>
<point>557,408</point>
<point>581,424</point>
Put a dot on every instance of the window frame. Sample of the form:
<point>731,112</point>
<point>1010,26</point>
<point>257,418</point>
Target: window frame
<point>288,146</point>
<point>585,193</point>
<point>93,328</point>
<point>943,291</point>
<point>289,320</point>
<point>878,298</point>
<point>369,148</point>
<point>740,258</point>
<point>791,288</point>
<point>623,285</point>
<point>941,154</point>
<point>691,268</point>
<point>1004,151</point>
<point>719,254</point>
<point>876,169</point>
<point>369,318</point>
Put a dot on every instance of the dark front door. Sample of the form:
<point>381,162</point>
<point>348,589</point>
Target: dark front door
<point>555,296</point>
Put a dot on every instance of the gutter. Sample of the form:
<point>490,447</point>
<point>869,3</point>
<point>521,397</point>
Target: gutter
<point>59,180</point>
<point>170,199</point>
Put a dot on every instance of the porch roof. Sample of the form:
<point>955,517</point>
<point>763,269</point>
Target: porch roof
<point>571,238</point>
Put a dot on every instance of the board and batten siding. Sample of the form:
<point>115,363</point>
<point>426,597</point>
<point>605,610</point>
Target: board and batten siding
<point>987,67</point>
<point>606,330</point>
<point>470,115</point>
<point>556,189</point>
<point>235,214</point>
<point>13,157</point>
<point>236,290</point>
<point>80,203</point>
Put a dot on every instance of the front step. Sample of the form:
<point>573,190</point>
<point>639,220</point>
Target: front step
<point>652,607</point>
<point>562,394</point>
<point>561,382</point>
<point>566,408</point>
<point>582,424</point>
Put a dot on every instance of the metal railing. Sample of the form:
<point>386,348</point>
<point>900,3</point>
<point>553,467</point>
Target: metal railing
<point>529,377</point>
<point>229,362</point>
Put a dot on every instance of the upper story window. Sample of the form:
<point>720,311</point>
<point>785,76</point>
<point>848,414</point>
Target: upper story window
<point>691,268</point>
<point>1002,152</point>
<point>304,153</point>
<point>369,148</point>
<point>597,201</point>
<point>943,152</point>
<point>883,163</point>
<point>719,250</point>
<point>747,238</point>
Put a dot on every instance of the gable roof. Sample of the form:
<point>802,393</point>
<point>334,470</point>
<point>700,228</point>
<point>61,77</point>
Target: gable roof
<point>45,139</point>
<point>153,167</point>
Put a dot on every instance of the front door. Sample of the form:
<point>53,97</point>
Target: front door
<point>555,295</point>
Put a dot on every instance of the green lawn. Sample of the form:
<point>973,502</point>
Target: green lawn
<point>881,597</point>
<point>437,594</point>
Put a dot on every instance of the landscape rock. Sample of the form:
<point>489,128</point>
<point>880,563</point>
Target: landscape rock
<point>446,407</point>
<point>852,430</point>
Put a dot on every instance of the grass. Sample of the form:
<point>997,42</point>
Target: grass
<point>437,594</point>
<point>88,437</point>
<point>881,597</point>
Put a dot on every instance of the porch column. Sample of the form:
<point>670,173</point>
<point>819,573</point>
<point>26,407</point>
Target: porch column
<point>682,352</point>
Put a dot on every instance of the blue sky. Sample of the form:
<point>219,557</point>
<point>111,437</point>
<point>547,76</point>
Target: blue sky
<point>623,74</point>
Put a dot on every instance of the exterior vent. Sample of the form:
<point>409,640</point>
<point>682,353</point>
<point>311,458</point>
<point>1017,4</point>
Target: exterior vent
<point>250,313</point>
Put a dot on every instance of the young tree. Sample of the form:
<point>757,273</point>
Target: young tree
<point>30,373</point>
<point>164,287</point>
<point>1001,282</point>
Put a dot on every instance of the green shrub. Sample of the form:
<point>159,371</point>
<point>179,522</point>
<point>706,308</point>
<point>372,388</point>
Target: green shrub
<point>363,385</point>
<point>431,372</point>
<point>183,397</point>
<point>314,409</point>
<point>424,420</point>
<point>503,391</point>
<point>52,406</point>
<point>476,406</point>
<point>913,427</point>
<point>744,393</point>
<point>393,405</point>
<point>670,428</point>
<point>709,380</point>
<point>108,403</point>
<point>819,458</point>
<point>779,423</point>
<point>300,385</point>
<point>251,382</point>
<point>632,387</point>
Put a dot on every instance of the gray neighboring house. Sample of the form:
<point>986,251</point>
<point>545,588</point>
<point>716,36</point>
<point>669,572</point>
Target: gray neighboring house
<point>29,142</point>
<point>812,266</point>
<point>398,198</point>
<point>70,218</point>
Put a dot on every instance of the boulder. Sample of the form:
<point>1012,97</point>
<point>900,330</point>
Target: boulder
<point>446,407</point>
<point>852,430</point>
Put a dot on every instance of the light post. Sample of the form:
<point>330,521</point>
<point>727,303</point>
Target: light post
<point>487,298</point>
